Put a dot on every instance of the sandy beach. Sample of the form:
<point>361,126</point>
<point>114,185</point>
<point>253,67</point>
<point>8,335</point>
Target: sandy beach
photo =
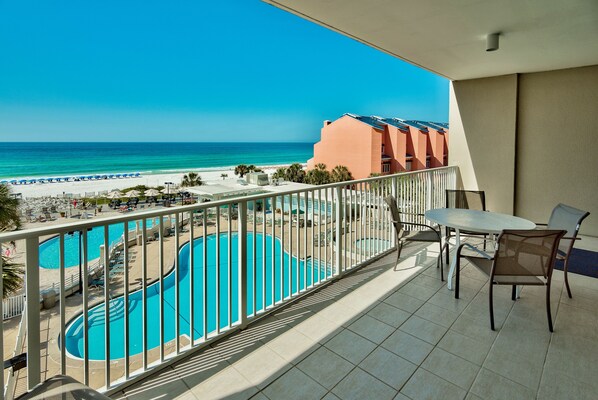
<point>81,187</point>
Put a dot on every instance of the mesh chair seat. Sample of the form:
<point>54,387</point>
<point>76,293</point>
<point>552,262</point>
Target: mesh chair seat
<point>428,235</point>
<point>522,257</point>
<point>485,266</point>
<point>464,199</point>
<point>569,219</point>
<point>420,236</point>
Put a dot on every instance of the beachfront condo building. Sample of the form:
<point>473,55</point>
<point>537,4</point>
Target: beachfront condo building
<point>375,145</point>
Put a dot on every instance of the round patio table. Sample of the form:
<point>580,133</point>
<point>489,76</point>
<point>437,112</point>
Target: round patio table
<point>460,219</point>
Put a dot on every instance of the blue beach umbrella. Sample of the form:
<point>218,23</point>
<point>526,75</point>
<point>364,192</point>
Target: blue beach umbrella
<point>66,178</point>
<point>89,176</point>
<point>21,181</point>
<point>97,176</point>
<point>137,174</point>
<point>82,177</point>
<point>13,181</point>
<point>32,181</point>
<point>111,176</point>
<point>3,181</point>
<point>118,175</point>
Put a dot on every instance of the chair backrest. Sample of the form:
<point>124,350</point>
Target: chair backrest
<point>395,214</point>
<point>468,199</point>
<point>526,252</point>
<point>567,218</point>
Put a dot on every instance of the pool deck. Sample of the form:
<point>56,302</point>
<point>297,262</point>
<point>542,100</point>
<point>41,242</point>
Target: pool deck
<point>50,319</point>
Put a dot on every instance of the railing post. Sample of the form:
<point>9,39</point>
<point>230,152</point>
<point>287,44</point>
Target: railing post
<point>394,189</point>
<point>338,228</point>
<point>32,304</point>
<point>429,188</point>
<point>242,262</point>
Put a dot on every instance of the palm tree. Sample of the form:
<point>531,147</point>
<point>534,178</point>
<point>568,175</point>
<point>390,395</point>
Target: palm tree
<point>318,176</point>
<point>191,179</point>
<point>295,173</point>
<point>281,172</point>
<point>12,274</point>
<point>340,173</point>
<point>9,210</point>
<point>241,170</point>
<point>224,176</point>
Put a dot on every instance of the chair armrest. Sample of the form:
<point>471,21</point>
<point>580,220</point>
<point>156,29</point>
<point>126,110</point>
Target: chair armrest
<point>417,214</point>
<point>424,225</point>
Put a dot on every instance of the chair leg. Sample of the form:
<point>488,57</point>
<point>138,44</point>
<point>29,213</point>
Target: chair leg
<point>457,276</point>
<point>491,304</point>
<point>514,293</point>
<point>565,268</point>
<point>399,249</point>
<point>548,312</point>
<point>439,261</point>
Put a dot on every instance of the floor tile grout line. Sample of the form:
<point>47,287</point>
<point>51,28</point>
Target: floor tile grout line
<point>374,349</point>
<point>549,342</point>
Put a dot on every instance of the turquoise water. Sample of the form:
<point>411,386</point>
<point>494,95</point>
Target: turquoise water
<point>68,159</point>
<point>49,250</point>
<point>97,315</point>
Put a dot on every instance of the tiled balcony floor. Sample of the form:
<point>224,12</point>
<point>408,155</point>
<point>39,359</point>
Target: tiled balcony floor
<point>386,334</point>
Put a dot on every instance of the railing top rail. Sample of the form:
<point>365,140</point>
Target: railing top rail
<point>86,225</point>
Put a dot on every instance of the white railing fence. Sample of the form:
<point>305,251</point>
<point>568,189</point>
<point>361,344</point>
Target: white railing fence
<point>190,284</point>
<point>13,306</point>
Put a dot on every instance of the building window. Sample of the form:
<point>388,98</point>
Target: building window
<point>408,166</point>
<point>386,167</point>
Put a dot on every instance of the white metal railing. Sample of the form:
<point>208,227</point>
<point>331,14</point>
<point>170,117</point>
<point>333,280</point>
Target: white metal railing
<point>13,306</point>
<point>9,388</point>
<point>248,256</point>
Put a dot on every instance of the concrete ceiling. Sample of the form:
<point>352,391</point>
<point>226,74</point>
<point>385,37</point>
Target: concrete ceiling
<point>448,37</point>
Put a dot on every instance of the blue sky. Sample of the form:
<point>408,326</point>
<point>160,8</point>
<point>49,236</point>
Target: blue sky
<point>238,70</point>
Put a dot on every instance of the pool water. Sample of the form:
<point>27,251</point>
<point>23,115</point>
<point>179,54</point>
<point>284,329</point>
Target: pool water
<point>97,315</point>
<point>49,251</point>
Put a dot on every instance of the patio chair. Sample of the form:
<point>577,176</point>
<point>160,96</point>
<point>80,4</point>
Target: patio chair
<point>522,257</point>
<point>464,199</point>
<point>62,387</point>
<point>570,219</point>
<point>429,235</point>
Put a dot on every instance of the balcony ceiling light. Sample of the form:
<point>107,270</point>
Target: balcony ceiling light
<point>492,41</point>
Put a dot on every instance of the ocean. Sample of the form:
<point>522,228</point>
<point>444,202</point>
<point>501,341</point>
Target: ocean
<point>67,159</point>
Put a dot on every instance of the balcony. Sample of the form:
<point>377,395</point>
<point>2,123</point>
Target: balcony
<point>329,318</point>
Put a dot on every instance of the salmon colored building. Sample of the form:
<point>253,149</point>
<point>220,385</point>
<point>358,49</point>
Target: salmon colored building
<point>367,145</point>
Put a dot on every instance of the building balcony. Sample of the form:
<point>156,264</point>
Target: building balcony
<point>328,311</point>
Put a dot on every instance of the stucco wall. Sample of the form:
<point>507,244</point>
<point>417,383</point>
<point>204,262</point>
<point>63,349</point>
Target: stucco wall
<point>529,140</point>
<point>482,119</point>
<point>350,143</point>
<point>557,142</point>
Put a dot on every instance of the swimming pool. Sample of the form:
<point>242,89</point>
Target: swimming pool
<point>49,250</point>
<point>97,315</point>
